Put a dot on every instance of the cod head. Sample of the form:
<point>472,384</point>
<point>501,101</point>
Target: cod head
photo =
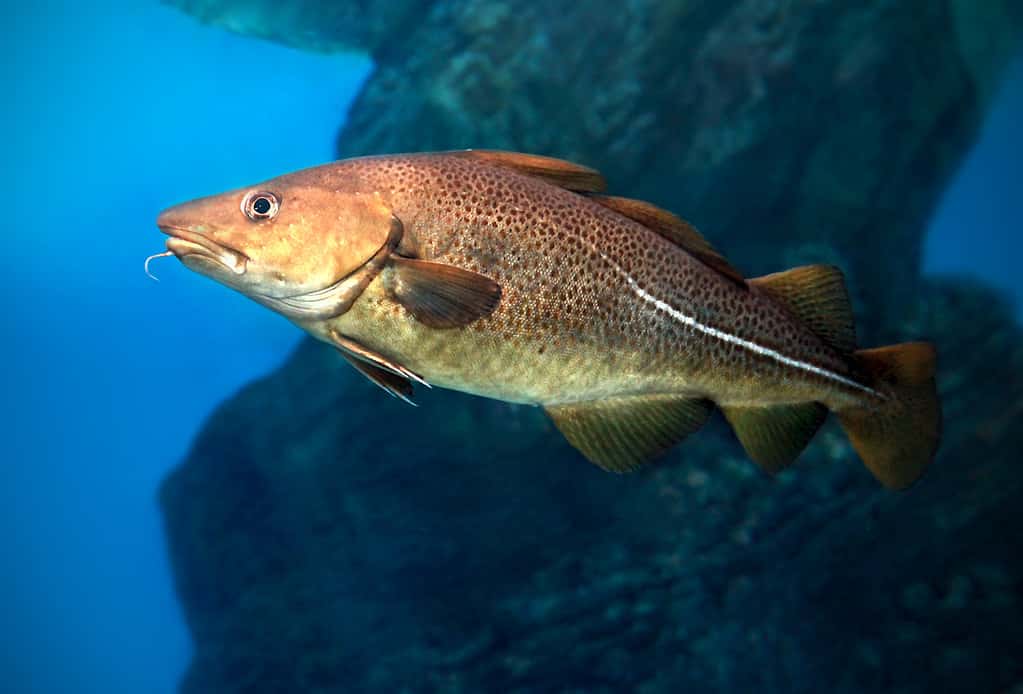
<point>296,246</point>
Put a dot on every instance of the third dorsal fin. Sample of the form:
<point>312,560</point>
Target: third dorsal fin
<point>816,295</point>
<point>558,172</point>
<point>674,228</point>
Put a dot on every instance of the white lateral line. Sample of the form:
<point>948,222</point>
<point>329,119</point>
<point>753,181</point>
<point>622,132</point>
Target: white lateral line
<point>665,307</point>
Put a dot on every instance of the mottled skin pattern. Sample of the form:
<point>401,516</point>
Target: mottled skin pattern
<point>484,272</point>
<point>569,326</point>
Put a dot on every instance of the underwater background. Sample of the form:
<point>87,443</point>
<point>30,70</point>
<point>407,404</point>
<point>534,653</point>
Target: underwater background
<point>190,501</point>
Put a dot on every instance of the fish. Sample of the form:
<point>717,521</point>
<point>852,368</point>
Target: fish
<point>518,277</point>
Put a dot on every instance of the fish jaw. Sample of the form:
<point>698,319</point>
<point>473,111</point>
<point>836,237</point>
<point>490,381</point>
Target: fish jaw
<point>197,250</point>
<point>202,254</point>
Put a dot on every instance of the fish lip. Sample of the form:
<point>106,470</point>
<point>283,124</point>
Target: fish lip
<point>184,242</point>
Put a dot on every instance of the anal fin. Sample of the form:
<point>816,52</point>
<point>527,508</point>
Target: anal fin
<point>775,435</point>
<point>622,434</point>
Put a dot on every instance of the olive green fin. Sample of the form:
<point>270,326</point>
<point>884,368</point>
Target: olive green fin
<point>898,436</point>
<point>675,229</point>
<point>441,295</point>
<point>395,385</point>
<point>558,172</point>
<point>622,434</point>
<point>774,436</point>
<point>816,295</point>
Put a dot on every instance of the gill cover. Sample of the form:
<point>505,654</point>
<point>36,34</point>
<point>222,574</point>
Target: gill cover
<point>359,241</point>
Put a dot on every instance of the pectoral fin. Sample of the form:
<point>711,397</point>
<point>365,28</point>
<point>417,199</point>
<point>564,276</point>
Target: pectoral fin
<point>441,295</point>
<point>622,434</point>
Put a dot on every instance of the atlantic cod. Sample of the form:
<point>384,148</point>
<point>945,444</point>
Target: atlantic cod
<point>515,277</point>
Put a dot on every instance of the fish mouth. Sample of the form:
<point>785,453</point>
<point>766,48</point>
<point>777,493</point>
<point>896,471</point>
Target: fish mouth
<point>192,248</point>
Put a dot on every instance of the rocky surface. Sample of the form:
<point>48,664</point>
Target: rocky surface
<point>327,538</point>
<point>341,25</point>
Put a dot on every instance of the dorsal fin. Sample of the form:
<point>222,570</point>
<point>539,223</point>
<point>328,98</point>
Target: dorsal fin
<point>674,228</point>
<point>558,172</point>
<point>816,295</point>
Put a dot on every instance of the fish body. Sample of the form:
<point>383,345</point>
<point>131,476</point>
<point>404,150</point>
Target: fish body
<point>514,277</point>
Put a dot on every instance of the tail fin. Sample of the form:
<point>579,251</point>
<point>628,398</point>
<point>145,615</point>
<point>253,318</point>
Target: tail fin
<point>897,438</point>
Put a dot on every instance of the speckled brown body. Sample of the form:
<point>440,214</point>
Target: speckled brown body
<point>593,304</point>
<point>513,276</point>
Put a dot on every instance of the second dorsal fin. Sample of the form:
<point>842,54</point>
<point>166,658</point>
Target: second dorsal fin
<point>558,172</point>
<point>674,228</point>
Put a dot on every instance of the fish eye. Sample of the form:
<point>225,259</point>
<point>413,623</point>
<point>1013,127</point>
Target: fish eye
<point>260,205</point>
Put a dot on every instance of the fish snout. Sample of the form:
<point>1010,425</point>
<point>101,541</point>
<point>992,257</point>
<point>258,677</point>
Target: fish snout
<point>193,243</point>
<point>178,217</point>
<point>165,218</point>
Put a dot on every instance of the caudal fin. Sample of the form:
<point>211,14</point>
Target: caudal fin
<point>897,438</point>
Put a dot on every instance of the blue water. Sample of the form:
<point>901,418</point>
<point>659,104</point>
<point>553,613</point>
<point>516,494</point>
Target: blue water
<point>115,112</point>
<point>977,229</point>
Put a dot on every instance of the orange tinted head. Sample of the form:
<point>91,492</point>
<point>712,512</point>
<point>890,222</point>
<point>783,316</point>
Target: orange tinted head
<point>285,240</point>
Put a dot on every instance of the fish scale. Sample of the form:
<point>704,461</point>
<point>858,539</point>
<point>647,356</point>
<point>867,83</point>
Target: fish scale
<point>515,277</point>
<point>543,245</point>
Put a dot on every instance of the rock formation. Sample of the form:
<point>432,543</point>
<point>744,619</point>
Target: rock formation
<point>327,538</point>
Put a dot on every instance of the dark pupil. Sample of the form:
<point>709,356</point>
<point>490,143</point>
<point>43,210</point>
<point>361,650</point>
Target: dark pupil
<point>261,206</point>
